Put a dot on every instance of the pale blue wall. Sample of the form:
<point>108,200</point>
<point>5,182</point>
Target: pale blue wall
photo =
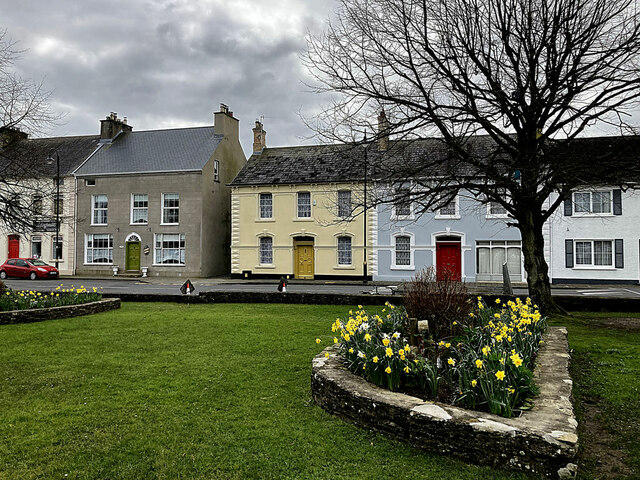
<point>472,225</point>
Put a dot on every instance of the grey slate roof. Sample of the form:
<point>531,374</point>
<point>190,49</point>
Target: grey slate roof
<point>28,158</point>
<point>331,163</point>
<point>430,157</point>
<point>172,150</point>
<point>304,164</point>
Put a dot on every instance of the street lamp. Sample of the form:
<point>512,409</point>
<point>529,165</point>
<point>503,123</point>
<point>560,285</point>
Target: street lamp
<point>364,265</point>
<point>56,240</point>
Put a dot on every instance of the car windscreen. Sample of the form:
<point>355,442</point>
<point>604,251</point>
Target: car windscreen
<point>38,263</point>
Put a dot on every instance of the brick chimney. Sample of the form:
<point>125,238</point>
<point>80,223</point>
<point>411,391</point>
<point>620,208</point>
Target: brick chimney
<point>259,137</point>
<point>224,123</point>
<point>111,126</point>
<point>383,132</point>
<point>9,135</point>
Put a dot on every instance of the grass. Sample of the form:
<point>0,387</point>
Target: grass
<point>605,367</point>
<point>171,391</point>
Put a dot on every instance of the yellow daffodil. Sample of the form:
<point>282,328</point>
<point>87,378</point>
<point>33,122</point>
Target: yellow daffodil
<point>389,352</point>
<point>375,359</point>
<point>479,363</point>
<point>318,340</point>
<point>451,362</point>
<point>500,375</point>
<point>474,383</point>
<point>388,369</point>
<point>385,342</point>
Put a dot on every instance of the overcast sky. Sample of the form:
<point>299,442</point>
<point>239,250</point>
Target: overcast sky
<point>170,63</point>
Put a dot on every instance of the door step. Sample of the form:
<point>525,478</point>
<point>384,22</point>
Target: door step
<point>132,274</point>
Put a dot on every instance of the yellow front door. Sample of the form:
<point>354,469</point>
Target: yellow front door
<point>304,260</point>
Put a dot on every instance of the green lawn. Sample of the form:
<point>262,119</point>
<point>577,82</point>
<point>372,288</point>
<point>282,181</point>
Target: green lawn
<point>605,367</point>
<point>176,391</point>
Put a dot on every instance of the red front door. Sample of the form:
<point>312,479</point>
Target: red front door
<point>14,246</point>
<point>448,261</point>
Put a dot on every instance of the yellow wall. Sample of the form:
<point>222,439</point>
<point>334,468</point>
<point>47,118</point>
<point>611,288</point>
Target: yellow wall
<point>324,226</point>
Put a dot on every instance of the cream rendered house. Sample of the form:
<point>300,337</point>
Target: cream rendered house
<point>293,213</point>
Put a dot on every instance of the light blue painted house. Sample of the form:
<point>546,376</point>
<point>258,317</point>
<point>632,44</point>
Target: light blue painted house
<point>469,239</point>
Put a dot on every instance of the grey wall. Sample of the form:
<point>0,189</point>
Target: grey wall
<point>119,189</point>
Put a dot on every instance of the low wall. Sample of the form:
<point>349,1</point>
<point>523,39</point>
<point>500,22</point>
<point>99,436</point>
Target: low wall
<point>543,440</point>
<point>40,314</point>
<point>262,297</point>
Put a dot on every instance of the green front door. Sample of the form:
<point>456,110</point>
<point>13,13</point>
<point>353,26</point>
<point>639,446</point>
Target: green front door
<point>133,256</point>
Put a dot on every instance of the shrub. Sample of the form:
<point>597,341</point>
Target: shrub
<point>440,302</point>
<point>487,366</point>
<point>3,287</point>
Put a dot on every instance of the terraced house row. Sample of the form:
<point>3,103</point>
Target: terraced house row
<point>187,202</point>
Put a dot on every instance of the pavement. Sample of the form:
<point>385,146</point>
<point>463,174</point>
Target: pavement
<point>171,285</point>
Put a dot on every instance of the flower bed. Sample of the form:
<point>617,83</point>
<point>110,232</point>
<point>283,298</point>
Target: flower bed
<point>541,440</point>
<point>485,364</point>
<point>29,299</point>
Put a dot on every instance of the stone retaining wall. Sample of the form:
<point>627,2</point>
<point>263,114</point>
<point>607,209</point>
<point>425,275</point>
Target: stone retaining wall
<point>543,440</point>
<point>40,314</point>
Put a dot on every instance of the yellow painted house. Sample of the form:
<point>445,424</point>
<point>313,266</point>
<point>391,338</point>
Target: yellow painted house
<point>296,212</point>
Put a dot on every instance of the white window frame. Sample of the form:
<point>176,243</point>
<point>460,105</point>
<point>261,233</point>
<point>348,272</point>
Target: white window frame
<point>310,217</point>
<point>338,238</point>
<point>182,255</point>
<point>270,217</point>
<point>394,212</point>
<point>495,244</point>
<point>348,206</point>
<point>455,215</point>
<point>163,208</point>
<point>592,265</point>
<point>490,214</point>
<point>216,170</point>
<point>108,248</point>
<point>591,213</point>
<point>133,208</point>
<point>94,210</point>
<point>394,265</point>
<point>36,239</point>
<point>260,251</point>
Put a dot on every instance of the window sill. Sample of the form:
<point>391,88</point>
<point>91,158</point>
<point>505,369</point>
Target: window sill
<point>303,219</point>
<point>265,266</point>
<point>98,264</point>
<point>593,215</point>
<point>344,267</point>
<point>402,217</point>
<point>496,216</point>
<point>139,224</point>
<point>447,217</point>
<point>99,225</point>
<point>265,220</point>
<point>169,224</point>
<point>402,267</point>
<point>596,267</point>
<point>168,265</point>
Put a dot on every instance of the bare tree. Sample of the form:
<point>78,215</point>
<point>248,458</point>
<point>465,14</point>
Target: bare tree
<point>24,109</point>
<point>507,86</point>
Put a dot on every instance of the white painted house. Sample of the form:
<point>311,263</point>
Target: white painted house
<point>595,237</point>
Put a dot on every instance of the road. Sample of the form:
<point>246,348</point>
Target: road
<point>170,286</point>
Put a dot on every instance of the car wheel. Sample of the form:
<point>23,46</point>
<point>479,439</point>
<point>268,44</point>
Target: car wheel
<point>33,275</point>
<point>3,275</point>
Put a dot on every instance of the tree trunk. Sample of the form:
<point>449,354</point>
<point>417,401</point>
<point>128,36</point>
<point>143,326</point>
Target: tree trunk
<point>536,266</point>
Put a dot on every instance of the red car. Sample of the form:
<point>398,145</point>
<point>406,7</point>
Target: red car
<point>27,268</point>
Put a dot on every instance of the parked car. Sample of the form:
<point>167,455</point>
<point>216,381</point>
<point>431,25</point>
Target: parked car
<point>27,268</point>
